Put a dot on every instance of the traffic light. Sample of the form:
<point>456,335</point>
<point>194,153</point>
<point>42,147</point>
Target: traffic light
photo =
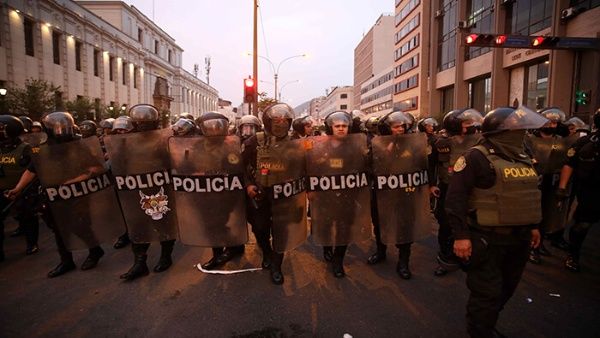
<point>545,42</point>
<point>485,40</point>
<point>249,90</point>
<point>531,42</point>
<point>582,97</point>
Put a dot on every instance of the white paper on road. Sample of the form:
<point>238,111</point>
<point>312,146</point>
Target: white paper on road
<point>225,272</point>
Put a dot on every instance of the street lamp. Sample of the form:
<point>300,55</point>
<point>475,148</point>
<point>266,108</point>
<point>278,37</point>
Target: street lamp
<point>3,93</point>
<point>276,69</point>
<point>285,84</point>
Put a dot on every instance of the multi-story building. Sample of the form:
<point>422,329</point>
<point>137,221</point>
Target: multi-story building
<point>105,50</point>
<point>484,78</point>
<point>376,93</point>
<point>339,98</point>
<point>373,54</point>
<point>315,106</point>
<point>411,56</point>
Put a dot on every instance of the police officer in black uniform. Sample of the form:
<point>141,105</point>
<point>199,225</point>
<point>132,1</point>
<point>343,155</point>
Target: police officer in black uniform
<point>145,117</point>
<point>493,202</point>
<point>277,120</point>
<point>583,164</point>
<point>456,123</point>
<point>88,128</point>
<point>302,127</point>
<point>60,129</point>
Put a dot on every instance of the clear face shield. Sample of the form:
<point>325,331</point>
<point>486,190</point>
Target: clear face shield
<point>247,130</point>
<point>215,127</point>
<point>523,118</point>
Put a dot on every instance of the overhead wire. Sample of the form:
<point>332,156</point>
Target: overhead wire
<point>262,28</point>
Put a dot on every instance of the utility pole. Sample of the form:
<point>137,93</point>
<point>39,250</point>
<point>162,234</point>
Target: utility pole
<point>196,67</point>
<point>255,60</point>
<point>207,68</point>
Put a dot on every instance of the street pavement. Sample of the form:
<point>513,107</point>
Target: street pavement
<point>372,301</point>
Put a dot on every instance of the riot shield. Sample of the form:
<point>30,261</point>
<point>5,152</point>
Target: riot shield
<point>287,196</point>
<point>207,174</point>
<point>549,154</point>
<point>80,193</point>
<point>34,139</point>
<point>402,187</point>
<point>339,190</point>
<point>460,144</point>
<point>140,163</point>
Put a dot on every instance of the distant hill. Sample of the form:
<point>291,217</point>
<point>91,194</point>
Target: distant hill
<point>303,108</point>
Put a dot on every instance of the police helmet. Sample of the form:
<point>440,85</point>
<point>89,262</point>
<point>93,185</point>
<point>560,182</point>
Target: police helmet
<point>186,116</point>
<point>508,118</point>
<point>453,121</point>
<point>391,119</point>
<point>122,124</point>
<point>357,117</point>
<point>337,117</point>
<point>577,124</point>
<point>10,127</point>
<point>299,124</point>
<point>553,114</point>
<point>430,121</point>
<point>27,123</point>
<point>36,127</point>
<point>87,128</point>
<point>213,124</point>
<point>277,119</point>
<point>144,117</point>
<point>107,123</point>
<point>371,124</point>
<point>60,126</point>
<point>183,127</point>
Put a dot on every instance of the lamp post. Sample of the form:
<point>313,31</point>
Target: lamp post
<point>3,93</point>
<point>285,84</point>
<point>276,69</point>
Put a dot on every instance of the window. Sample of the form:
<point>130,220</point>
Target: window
<point>406,84</point>
<point>447,99</point>
<point>135,71</point>
<point>382,93</point>
<point>125,70</point>
<point>407,47</point>
<point>111,68</point>
<point>96,62</point>
<point>343,106</point>
<point>155,46</point>
<point>480,94</point>
<point>140,34</point>
<point>408,104</point>
<point>409,27</point>
<point>537,85</point>
<point>56,47</point>
<point>405,11</point>
<point>526,17</point>
<point>447,35</point>
<point>170,56</point>
<point>78,55</point>
<point>585,4</point>
<point>481,20</point>
<point>28,27</point>
<point>343,96</point>
<point>407,65</point>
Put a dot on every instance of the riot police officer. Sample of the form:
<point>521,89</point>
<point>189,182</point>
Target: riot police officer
<point>583,164</point>
<point>107,126</point>
<point>428,126</point>
<point>249,125</point>
<point>184,127</point>
<point>461,128</point>
<point>36,127</point>
<point>145,117</point>
<point>493,204</point>
<point>186,116</point>
<point>576,125</point>
<point>88,128</point>
<point>277,120</point>
<point>302,127</point>
<point>60,129</point>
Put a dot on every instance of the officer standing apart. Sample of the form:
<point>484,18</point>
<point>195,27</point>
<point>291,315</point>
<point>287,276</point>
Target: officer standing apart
<point>493,202</point>
<point>584,165</point>
<point>277,120</point>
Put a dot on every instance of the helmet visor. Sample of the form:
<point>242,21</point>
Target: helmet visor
<point>215,127</point>
<point>248,130</point>
<point>523,118</point>
<point>471,115</point>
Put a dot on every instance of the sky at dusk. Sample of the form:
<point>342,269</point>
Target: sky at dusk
<point>326,30</point>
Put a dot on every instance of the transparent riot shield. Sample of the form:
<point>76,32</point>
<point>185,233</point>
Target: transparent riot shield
<point>287,193</point>
<point>207,174</point>
<point>402,187</point>
<point>80,193</point>
<point>549,154</point>
<point>34,139</point>
<point>339,190</point>
<point>140,164</point>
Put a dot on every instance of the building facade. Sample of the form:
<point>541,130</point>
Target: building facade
<point>411,56</point>
<point>373,54</point>
<point>485,78</point>
<point>377,93</point>
<point>315,106</point>
<point>339,98</point>
<point>105,50</point>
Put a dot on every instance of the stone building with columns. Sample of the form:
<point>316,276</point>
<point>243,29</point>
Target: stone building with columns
<point>105,50</point>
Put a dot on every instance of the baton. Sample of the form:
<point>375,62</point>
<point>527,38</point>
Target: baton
<point>6,208</point>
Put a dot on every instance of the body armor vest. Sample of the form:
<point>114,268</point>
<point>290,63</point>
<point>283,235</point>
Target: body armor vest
<point>450,149</point>
<point>513,200</point>
<point>269,166</point>
<point>10,166</point>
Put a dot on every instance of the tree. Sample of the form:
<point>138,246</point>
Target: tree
<point>34,100</point>
<point>264,101</point>
<point>81,109</point>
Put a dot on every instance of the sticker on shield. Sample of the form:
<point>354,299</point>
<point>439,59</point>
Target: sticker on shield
<point>155,206</point>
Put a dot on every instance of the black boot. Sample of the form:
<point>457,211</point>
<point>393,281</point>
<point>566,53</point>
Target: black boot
<point>403,258</point>
<point>92,259</point>
<point>62,268</point>
<point>232,252</point>
<point>165,260</point>
<point>337,262</point>
<point>534,256</point>
<point>276,274</point>
<point>378,256</point>
<point>139,267</point>
<point>328,253</point>
<point>122,241</point>
<point>215,261</point>
<point>265,245</point>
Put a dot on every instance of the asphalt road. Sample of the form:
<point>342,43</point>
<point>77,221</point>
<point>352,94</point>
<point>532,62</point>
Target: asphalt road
<point>372,301</point>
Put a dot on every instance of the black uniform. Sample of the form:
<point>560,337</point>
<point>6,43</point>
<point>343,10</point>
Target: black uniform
<point>499,254</point>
